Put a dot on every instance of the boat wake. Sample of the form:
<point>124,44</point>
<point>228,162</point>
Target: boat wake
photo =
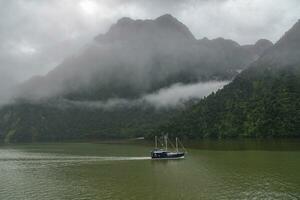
<point>74,158</point>
<point>21,156</point>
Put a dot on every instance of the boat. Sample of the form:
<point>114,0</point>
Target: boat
<point>160,154</point>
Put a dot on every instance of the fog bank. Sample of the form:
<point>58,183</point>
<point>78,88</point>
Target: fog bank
<point>171,97</point>
<point>179,93</point>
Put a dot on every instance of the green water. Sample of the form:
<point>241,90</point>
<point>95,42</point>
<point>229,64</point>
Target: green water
<point>212,170</point>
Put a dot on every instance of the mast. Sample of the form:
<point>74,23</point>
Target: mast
<point>176,144</point>
<point>166,142</point>
<point>155,142</point>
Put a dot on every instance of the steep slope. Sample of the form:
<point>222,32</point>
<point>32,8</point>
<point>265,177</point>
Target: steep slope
<point>133,59</point>
<point>262,101</point>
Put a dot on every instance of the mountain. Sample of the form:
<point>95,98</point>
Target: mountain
<point>138,57</point>
<point>165,27</point>
<point>262,101</point>
<point>101,91</point>
<point>258,48</point>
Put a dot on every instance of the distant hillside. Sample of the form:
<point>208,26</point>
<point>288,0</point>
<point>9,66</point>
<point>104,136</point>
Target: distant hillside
<point>43,122</point>
<point>262,101</point>
<point>134,59</point>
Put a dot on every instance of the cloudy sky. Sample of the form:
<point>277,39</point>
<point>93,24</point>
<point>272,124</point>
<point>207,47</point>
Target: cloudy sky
<point>36,35</point>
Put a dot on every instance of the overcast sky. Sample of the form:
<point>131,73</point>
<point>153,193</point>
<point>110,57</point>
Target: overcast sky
<point>35,35</point>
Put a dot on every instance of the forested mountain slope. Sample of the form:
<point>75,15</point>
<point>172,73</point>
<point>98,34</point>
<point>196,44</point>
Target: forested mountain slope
<point>262,101</point>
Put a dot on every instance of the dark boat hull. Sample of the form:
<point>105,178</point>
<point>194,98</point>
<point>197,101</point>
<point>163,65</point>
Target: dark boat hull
<point>166,155</point>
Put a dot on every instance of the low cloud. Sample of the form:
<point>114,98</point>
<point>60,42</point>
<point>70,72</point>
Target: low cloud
<point>171,97</point>
<point>107,105</point>
<point>180,93</point>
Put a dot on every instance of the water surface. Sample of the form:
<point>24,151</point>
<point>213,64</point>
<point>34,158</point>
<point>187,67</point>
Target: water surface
<point>212,170</point>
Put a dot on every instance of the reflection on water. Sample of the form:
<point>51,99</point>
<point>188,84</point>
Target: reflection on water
<point>124,171</point>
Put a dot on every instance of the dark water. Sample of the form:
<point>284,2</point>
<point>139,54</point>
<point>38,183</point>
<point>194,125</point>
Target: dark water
<point>212,170</point>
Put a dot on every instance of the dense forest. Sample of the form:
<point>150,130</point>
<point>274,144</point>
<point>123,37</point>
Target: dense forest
<point>260,102</point>
<point>28,122</point>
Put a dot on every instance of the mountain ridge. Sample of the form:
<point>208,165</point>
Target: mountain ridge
<point>127,28</point>
<point>150,50</point>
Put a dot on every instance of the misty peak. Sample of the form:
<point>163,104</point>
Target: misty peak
<point>167,18</point>
<point>286,51</point>
<point>125,20</point>
<point>219,43</point>
<point>263,42</point>
<point>225,42</point>
<point>292,36</point>
<point>261,46</point>
<point>168,21</point>
<point>165,27</point>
